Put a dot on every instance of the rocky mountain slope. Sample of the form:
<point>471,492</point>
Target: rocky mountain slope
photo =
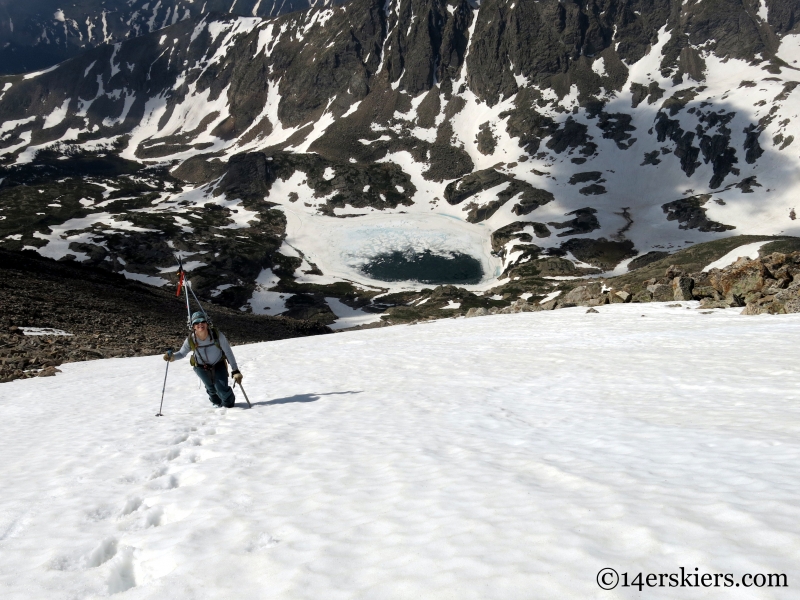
<point>40,33</point>
<point>105,315</point>
<point>373,149</point>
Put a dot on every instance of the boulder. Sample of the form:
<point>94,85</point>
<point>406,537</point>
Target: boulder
<point>682,288</point>
<point>753,308</point>
<point>582,294</point>
<point>701,279</point>
<point>613,298</point>
<point>591,310</point>
<point>519,306</point>
<point>673,271</point>
<point>661,292</point>
<point>549,305</point>
<point>787,301</point>
<point>643,296</point>
<point>761,305</point>
<point>705,291</point>
<point>741,278</point>
<point>623,295</point>
<point>477,312</point>
<point>48,372</point>
<point>772,287</point>
<point>774,261</point>
<point>709,303</point>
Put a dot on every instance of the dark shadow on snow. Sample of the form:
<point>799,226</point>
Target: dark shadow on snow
<point>301,398</point>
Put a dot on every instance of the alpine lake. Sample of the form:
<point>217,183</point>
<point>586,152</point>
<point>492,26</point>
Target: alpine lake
<point>425,267</point>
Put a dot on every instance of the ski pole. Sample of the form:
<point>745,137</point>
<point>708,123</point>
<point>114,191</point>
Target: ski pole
<point>169,353</point>
<point>241,387</point>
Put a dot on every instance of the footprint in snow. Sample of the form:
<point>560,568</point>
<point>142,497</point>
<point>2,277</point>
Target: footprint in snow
<point>81,561</point>
<point>163,456</point>
<point>179,439</point>
<point>105,551</point>
<point>122,576</point>
<point>153,518</point>
<point>159,472</point>
<point>262,542</point>
<point>164,483</point>
<point>100,513</point>
<point>131,505</point>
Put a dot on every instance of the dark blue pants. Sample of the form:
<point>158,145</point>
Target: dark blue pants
<point>216,382</point>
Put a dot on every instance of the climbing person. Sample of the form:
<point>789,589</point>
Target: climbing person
<point>211,354</point>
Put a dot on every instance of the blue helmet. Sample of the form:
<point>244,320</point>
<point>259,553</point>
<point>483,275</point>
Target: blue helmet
<point>199,317</point>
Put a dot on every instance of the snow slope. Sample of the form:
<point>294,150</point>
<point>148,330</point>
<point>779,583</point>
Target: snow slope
<point>502,457</point>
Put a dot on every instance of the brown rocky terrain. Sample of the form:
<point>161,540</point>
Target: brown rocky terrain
<point>108,316</point>
<point>768,284</point>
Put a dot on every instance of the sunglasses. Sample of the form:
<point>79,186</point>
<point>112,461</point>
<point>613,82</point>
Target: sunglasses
<point>200,323</point>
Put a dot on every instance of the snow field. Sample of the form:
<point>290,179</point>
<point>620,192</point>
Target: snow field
<point>511,456</point>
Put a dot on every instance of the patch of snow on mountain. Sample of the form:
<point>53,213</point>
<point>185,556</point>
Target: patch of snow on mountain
<point>347,316</point>
<point>37,73</point>
<point>319,126</point>
<point>114,66</point>
<point>25,139</point>
<point>747,251</point>
<point>264,302</point>
<point>278,134</point>
<point>60,238</point>
<point>264,40</point>
<point>319,17</point>
<point>763,10</point>
<point>241,25</point>
<point>148,279</point>
<point>57,116</point>
<point>9,126</point>
<point>129,100</point>
<point>426,190</point>
<point>148,127</point>
<point>36,331</point>
<point>789,49</point>
<point>219,289</point>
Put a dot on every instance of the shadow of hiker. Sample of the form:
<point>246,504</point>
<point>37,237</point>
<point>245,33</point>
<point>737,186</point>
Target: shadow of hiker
<point>301,398</point>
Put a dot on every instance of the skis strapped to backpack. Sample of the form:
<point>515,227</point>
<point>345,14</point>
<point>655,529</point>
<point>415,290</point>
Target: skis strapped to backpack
<point>186,285</point>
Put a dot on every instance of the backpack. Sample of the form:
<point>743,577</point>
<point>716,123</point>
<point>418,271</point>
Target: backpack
<point>215,338</point>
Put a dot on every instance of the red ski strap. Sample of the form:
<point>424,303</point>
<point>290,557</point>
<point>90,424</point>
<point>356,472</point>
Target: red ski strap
<point>180,285</point>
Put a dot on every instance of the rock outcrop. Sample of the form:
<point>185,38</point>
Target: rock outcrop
<point>769,284</point>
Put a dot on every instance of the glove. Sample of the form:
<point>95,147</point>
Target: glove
<point>168,356</point>
<point>237,377</point>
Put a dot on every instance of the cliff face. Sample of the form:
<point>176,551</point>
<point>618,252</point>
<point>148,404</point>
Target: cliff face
<point>550,137</point>
<point>37,35</point>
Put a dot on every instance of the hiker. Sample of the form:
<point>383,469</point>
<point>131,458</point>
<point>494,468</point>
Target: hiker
<point>211,354</point>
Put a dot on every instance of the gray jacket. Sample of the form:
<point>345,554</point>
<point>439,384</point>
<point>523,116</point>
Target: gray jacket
<point>207,352</point>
